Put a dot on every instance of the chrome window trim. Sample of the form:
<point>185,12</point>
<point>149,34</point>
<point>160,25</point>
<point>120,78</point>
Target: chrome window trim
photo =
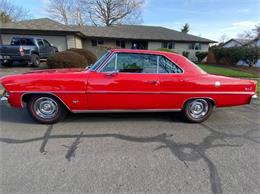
<point>101,67</point>
<point>104,64</point>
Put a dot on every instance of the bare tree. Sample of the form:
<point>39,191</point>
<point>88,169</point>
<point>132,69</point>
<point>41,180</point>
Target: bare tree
<point>68,11</point>
<point>223,38</point>
<point>109,12</point>
<point>11,12</point>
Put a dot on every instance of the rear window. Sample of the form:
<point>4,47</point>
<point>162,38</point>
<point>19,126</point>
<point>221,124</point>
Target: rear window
<point>19,41</point>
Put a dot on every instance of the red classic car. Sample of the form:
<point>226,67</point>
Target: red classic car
<point>126,80</point>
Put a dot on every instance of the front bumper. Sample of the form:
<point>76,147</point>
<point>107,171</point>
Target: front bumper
<point>4,100</point>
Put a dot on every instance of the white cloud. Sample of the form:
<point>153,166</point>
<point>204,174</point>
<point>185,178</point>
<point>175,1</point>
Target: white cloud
<point>244,24</point>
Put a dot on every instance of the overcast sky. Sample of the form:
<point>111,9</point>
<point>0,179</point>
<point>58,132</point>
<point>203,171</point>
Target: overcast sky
<point>207,18</point>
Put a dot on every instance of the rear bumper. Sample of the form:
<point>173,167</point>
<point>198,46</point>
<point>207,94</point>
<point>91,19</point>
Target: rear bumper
<point>16,58</point>
<point>254,96</point>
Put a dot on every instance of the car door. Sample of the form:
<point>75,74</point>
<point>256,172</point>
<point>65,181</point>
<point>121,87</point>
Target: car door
<point>49,48</point>
<point>42,48</point>
<point>171,83</point>
<point>127,81</point>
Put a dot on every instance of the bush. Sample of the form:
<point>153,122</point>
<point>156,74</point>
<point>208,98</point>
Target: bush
<point>66,59</point>
<point>234,54</point>
<point>91,58</point>
<point>251,55</point>
<point>201,55</point>
<point>186,54</point>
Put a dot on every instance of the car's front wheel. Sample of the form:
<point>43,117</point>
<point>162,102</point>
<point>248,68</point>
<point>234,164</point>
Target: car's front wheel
<point>197,110</point>
<point>46,109</point>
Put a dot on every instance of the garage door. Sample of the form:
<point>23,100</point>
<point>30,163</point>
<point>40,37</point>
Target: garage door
<point>57,41</point>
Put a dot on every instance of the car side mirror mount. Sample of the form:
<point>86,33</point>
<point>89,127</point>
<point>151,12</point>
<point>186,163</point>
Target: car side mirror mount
<point>112,73</point>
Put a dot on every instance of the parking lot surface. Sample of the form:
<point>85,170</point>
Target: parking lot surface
<point>131,153</point>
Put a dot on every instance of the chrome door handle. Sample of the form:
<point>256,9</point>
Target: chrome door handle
<point>153,82</point>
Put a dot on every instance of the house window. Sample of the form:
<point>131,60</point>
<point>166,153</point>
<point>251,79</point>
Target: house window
<point>95,42</point>
<point>120,43</point>
<point>194,46</point>
<point>168,45</point>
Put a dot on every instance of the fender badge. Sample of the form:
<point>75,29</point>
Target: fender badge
<point>217,84</point>
<point>75,101</point>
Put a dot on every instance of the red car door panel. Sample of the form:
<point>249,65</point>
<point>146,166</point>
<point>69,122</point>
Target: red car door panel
<point>122,91</point>
<point>127,81</point>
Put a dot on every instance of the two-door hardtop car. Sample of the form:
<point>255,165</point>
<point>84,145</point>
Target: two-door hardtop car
<point>126,80</point>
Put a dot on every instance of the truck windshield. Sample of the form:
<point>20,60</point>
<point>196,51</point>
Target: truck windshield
<point>99,61</point>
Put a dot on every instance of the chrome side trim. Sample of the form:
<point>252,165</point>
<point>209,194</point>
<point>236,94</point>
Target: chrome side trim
<point>182,92</point>
<point>43,93</point>
<point>141,92</point>
<point>57,92</point>
<point>125,110</point>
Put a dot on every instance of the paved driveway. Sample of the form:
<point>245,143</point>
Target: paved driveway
<point>131,153</point>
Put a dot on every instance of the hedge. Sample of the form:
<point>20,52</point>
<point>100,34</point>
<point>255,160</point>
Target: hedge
<point>234,54</point>
<point>91,58</point>
<point>67,59</point>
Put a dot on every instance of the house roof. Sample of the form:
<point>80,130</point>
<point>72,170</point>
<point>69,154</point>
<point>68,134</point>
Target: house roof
<point>139,32</point>
<point>37,24</point>
<point>120,31</point>
<point>238,41</point>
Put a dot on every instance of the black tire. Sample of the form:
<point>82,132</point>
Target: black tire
<point>7,63</point>
<point>35,60</point>
<point>197,110</point>
<point>46,109</point>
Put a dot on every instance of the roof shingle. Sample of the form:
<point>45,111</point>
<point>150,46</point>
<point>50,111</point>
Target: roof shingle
<point>119,31</point>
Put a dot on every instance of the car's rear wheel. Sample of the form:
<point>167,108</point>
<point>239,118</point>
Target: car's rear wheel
<point>46,109</point>
<point>7,63</point>
<point>197,110</point>
<point>35,60</point>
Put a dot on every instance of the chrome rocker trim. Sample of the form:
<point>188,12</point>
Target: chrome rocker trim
<point>127,110</point>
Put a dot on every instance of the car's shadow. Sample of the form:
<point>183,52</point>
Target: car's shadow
<point>8,114</point>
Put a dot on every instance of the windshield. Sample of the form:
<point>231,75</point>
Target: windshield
<point>99,61</point>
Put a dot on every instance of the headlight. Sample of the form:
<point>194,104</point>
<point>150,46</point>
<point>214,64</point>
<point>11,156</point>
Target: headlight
<point>2,90</point>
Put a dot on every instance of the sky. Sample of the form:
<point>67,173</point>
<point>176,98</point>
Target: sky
<point>207,18</point>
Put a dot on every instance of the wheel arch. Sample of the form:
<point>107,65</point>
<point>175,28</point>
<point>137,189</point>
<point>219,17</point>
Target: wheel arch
<point>35,52</point>
<point>26,97</point>
<point>214,104</point>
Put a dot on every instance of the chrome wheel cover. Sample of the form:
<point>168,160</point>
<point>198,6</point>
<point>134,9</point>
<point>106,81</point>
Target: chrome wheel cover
<point>45,108</point>
<point>198,108</point>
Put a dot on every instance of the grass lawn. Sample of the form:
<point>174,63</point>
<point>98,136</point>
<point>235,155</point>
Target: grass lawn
<point>226,71</point>
<point>218,70</point>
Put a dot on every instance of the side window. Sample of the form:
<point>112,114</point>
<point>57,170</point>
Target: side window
<point>46,43</point>
<point>136,63</point>
<point>166,66</point>
<point>111,65</point>
<point>40,43</point>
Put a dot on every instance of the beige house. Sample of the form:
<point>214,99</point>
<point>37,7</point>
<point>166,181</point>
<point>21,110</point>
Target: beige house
<point>96,38</point>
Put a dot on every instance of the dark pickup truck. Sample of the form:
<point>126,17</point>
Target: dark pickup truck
<point>26,49</point>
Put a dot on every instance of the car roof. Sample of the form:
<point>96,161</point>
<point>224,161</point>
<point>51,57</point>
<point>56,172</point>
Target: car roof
<point>144,51</point>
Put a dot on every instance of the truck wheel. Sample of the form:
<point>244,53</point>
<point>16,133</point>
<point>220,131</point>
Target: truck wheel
<point>197,110</point>
<point>46,109</point>
<point>35,60</point>
<point>7,63</point>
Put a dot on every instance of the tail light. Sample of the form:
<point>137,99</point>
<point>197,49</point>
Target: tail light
<point>21,50</point>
